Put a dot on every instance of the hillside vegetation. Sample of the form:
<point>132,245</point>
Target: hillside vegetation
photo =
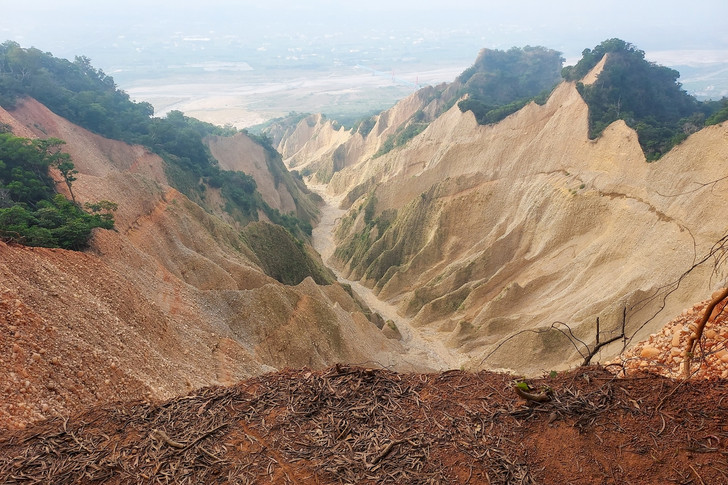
<point>31,212</point>
<point>645,95</point>
<point>89,97</point>
<point>502,82</point>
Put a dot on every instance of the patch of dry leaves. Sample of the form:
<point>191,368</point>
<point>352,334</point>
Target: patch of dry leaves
<point>354,425</point>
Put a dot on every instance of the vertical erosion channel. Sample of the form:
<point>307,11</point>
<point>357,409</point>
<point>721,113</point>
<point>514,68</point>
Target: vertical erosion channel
<point>423,347</point>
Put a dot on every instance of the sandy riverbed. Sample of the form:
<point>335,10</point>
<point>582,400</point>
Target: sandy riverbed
<point>422,346</point>
<point>249,98</point>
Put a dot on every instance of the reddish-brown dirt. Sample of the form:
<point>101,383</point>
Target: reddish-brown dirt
<point>53,359</point>
<point>169,301</point>
<point>354,425</point>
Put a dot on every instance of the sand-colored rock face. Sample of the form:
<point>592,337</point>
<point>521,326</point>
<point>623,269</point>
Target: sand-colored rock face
<point>505,229</point>
<point>242,154</point>
<point>318,146</point>
<point>279,189</point>
<point>170,301</point>
<point>92,154</point>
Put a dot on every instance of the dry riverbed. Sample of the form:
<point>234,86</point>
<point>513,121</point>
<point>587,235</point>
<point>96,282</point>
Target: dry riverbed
<point>423,347</point>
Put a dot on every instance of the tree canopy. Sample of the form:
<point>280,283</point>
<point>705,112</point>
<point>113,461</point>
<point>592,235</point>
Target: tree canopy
<point>31,212</point>
<point>647,96</point>
<point>502,82</point>
<point>90,98</point>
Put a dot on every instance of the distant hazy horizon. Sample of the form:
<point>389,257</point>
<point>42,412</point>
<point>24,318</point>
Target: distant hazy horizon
<point>75,26</point>
<point>190,45</point>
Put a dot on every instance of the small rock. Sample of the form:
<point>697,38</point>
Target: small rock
<point>676,338</point>
<point>650,353</point>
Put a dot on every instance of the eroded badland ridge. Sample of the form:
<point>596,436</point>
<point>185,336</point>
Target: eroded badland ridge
<point>169,301</point>
<point>486,247</point>
<point>479,232</point>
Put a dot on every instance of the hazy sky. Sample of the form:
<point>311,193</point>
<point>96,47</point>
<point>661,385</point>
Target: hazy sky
<point>569,26</point>
<point>196,44</point>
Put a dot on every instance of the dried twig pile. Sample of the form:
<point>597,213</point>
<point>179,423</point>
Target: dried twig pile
<point>352,425</point>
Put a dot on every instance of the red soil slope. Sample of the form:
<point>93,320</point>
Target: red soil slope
<point>353,425</point>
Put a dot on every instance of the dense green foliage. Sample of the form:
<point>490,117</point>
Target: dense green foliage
<point>488,114</point>
<point>502,82</point>
<point>591,57</point>
<point>501,77</point>
<point>282,256</point>
<point>89,98</point>
<point>52,223</point>
<point>643,94</point>
<point>74,90</point>
<point>720,113</point>
<point>31,212</point>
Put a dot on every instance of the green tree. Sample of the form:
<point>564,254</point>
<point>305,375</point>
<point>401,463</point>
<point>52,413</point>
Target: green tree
<point>502,82</point>
<point>90,98</point>
<point>30,211</point>
<point>68,172</point>
<point>647,96</point>
<point>720,115</point>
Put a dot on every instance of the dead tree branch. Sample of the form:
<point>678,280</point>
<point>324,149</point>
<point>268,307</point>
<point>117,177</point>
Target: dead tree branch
<point>598,345</point>
<point>698,333</point>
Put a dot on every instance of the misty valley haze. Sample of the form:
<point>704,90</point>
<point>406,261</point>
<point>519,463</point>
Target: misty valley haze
<point>245,62</point>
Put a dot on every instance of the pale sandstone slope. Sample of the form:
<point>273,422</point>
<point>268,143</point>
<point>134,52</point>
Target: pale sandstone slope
<point>318,146</point>
<point>170,301</point>
<point>241,153</point>
<point>514,226</point>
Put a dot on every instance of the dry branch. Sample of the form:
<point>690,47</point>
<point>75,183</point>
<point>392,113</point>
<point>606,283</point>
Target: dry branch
<point>698,333</point>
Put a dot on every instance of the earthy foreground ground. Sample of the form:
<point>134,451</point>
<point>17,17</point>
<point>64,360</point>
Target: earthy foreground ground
<point>353,425</point>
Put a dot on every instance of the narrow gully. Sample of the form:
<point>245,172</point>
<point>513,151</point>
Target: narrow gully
<point>423,347</point>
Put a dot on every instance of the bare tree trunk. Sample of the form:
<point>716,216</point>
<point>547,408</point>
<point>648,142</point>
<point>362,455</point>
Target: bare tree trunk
<point>698,333</point>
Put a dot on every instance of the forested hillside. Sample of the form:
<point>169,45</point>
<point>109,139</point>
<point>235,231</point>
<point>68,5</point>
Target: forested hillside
<point>31,212</point>
<point>647,96</point>
<point>90,98</point>
<point>502,82</point>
